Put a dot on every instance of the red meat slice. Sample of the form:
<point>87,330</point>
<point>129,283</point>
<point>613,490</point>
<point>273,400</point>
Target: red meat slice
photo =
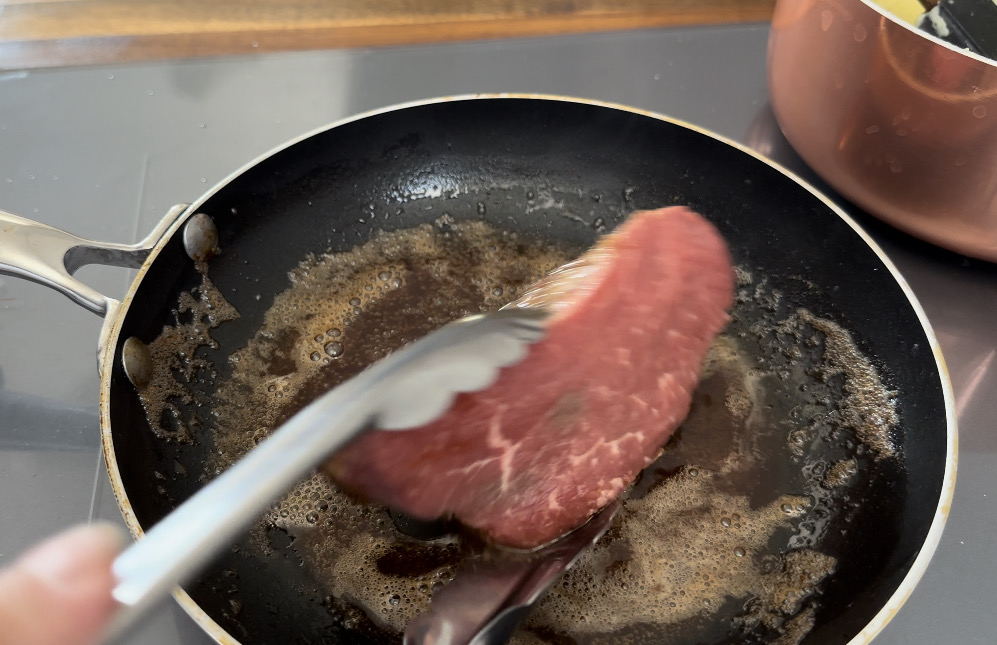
<point>566,430</point>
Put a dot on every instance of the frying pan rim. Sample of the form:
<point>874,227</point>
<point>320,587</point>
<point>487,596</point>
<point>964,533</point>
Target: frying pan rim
<point>871,629</point>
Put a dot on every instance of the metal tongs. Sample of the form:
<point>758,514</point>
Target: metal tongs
<point>487,601</point>
<point>409,388</point>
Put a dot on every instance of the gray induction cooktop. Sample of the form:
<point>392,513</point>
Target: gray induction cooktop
<point>104,151</point>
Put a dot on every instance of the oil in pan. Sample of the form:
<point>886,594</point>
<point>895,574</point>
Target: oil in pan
<point>723,536</point>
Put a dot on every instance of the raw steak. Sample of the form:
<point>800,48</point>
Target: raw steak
<point>566,430</point>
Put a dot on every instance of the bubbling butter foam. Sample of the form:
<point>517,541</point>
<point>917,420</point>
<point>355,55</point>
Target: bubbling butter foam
<point>725,528</point>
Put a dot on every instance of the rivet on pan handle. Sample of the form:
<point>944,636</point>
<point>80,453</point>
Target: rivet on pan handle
<point>200,237</point>
<point>137,362</point>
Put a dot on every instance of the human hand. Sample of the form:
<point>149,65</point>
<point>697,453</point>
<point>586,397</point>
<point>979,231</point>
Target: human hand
<point>59,592</point>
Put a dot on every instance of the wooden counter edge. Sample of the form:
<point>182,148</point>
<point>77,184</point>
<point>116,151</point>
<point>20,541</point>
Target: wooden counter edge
<point>30,54</point>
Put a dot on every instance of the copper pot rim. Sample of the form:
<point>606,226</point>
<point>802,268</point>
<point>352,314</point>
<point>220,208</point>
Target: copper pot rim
<point>928,90</point>
<point>929,37</point>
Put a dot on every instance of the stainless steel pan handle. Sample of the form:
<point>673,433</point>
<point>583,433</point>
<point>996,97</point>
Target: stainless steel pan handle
<point>51,256</point>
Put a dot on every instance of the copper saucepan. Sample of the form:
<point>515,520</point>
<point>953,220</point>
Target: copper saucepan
<point>896,120</point>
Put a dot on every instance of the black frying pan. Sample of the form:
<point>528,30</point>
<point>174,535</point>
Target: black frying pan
<point>488,159</point>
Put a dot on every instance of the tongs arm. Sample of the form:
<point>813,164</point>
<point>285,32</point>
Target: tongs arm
<point>486,602</point>
<point>409,388</point>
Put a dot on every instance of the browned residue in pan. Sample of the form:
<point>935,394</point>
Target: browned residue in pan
<point>175,365</point>
<point>726,528</point>
<point>867,406</point>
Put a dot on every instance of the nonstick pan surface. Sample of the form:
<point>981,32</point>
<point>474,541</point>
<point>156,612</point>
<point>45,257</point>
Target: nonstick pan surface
<point>560,171</point>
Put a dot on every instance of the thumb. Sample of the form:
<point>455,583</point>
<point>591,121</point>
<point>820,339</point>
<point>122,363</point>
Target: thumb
<point>59,593</point>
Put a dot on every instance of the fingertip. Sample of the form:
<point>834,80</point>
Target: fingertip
<point>60,591</point>
<point>79,550</point>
